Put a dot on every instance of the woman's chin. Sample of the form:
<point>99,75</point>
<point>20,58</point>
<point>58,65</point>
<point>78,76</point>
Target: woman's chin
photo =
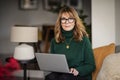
<point>68,29</point>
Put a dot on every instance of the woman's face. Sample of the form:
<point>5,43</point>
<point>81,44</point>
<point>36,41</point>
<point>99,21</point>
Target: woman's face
<point>67,22</point>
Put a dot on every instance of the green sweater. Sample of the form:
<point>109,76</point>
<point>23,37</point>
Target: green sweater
<point>79,55</point>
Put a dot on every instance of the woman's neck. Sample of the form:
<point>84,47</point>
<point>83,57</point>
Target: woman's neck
<point>67,34</point>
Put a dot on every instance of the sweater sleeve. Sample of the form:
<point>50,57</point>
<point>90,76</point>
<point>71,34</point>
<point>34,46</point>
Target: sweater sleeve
<point>89,63</point>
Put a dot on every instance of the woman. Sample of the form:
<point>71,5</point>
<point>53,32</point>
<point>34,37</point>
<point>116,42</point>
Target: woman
<point>72,40</point>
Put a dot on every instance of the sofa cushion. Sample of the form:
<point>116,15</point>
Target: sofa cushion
<point>100,53</point>
<point>110,69</point>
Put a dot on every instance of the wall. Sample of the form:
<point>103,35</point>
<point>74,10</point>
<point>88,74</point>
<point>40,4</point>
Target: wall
<point>103,22</point>
<point>117,21</point>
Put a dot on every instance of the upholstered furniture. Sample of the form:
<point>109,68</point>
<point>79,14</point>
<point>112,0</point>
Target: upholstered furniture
<point>100,53</point>
<point>110,69</point>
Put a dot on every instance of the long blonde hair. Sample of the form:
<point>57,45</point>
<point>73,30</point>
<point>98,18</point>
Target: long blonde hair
<point>79,29</point>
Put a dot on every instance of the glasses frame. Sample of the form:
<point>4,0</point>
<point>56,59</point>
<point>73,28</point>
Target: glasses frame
<point>69,20</point>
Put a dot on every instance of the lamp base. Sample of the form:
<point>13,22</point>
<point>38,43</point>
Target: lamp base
<point>24,65</point>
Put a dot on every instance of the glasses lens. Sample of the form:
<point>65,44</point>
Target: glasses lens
<point>63,20</point>
<point>70,20</point>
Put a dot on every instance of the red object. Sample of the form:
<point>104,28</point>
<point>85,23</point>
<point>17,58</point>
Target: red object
<point>7,69</point>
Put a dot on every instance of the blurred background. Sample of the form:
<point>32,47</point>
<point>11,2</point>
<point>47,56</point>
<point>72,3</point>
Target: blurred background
<point>101,18</point>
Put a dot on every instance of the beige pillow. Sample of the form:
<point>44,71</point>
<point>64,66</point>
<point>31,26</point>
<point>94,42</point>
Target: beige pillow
<point>100,53</point>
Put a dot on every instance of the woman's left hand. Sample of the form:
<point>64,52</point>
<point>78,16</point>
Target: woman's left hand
<point>74,71</point>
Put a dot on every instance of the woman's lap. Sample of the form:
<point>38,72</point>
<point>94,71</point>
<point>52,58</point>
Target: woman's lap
<point>62,76</point>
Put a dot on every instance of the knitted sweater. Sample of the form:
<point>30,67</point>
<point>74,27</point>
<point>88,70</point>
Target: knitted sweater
<point>79,54</point>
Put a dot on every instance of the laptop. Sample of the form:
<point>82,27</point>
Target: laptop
<point>52,62</point>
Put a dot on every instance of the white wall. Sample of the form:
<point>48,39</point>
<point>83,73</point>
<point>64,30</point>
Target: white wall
<point>117,21</point>
<point>103,22</point>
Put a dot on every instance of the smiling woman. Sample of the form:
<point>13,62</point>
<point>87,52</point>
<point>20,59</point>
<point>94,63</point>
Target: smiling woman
<point>72,40</point>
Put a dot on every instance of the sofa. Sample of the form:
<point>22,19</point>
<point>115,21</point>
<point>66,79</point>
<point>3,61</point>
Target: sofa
<point>110,69</point>
<point>100,54</point>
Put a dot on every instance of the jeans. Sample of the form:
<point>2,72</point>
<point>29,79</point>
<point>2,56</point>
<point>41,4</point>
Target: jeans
<point>63,76</point>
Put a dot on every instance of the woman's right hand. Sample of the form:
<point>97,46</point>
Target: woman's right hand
<point>74,71</point>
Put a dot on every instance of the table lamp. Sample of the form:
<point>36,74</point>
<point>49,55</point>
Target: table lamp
<point>24,52</point>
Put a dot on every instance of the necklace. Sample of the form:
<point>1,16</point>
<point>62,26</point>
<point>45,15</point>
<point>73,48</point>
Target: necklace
<point>68,43</point>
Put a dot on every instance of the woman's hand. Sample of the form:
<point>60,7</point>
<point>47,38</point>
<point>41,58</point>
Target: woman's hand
<point>74,71</point>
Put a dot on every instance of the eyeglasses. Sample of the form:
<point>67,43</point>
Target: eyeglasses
<point>70,20</point>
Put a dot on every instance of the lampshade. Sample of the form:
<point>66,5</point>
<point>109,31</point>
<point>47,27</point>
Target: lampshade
<point>24,52</point>
<point>24,34</point>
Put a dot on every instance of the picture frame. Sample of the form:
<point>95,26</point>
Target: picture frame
<point>50,4</point>
<point>54,4</point>
<point>28,4</point>
<point>77,4</point>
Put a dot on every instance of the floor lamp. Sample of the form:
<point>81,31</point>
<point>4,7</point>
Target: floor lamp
<point>24,52</point>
